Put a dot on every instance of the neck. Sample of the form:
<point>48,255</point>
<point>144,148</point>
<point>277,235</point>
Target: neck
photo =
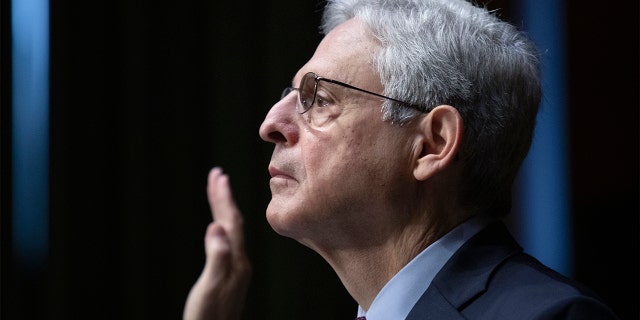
<point>365,269</point>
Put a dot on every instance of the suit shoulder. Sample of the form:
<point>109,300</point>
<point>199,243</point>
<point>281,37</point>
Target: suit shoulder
<point>523,288</point>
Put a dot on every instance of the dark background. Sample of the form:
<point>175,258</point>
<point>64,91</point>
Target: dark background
<point>147,96</point>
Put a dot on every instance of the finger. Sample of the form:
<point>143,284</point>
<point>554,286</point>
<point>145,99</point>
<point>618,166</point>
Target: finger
<point>218,250</point>
<point>224,209</point>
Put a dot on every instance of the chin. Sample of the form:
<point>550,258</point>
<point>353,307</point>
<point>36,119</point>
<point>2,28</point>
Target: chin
<point>279,218</point>
<point>289,220</point>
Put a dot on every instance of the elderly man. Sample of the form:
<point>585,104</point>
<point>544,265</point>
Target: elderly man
<point>395,151</point>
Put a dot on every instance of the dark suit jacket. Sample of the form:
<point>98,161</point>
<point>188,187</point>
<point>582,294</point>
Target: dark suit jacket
<point>491,278</point>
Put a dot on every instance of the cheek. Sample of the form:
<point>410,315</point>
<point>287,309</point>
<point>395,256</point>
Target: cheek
<point>329,160</point>
<point>344,169</point>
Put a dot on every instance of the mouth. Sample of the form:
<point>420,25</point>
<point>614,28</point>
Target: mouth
<point>277,173</point>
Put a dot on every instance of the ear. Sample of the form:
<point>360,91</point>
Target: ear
<point>440,136</point>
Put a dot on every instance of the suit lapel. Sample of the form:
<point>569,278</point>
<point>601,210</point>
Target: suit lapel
<point>433,306</point>
<point>466,275</point>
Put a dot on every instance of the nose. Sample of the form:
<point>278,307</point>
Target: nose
<point>279,126</point>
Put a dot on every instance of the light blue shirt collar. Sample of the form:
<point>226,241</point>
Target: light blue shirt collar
<point>400,294</point>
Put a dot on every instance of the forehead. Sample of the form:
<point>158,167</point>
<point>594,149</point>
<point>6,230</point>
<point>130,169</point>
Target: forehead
<point>345,54</point>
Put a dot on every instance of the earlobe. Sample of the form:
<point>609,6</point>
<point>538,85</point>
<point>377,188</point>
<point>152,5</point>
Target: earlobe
<point>440,136</point>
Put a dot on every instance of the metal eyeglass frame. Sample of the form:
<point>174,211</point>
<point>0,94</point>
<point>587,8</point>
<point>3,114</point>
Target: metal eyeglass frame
<point>317,78</point>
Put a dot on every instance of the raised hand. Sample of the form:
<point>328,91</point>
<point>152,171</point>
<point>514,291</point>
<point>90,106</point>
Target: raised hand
<point>220,291</point>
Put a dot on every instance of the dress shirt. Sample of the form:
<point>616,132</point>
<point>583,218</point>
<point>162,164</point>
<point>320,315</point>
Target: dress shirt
<point>400,294</point>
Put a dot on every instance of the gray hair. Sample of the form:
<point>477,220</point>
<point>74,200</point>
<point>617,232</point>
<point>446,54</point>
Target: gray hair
<point>452,52</point>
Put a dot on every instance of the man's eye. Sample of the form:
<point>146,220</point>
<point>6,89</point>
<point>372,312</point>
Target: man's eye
<point>320,102</point>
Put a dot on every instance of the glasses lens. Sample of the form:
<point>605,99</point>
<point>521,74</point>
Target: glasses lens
<point>307,91</point>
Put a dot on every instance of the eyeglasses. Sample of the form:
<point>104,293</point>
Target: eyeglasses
<point>309,88</point>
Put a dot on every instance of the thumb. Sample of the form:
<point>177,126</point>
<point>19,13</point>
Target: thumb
<point>218,251</point>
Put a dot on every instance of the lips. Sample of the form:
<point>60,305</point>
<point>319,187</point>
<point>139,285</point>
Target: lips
<point>277,173</point>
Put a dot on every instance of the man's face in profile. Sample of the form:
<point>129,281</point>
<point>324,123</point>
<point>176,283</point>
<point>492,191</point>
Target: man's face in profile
<point>336,182</point>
